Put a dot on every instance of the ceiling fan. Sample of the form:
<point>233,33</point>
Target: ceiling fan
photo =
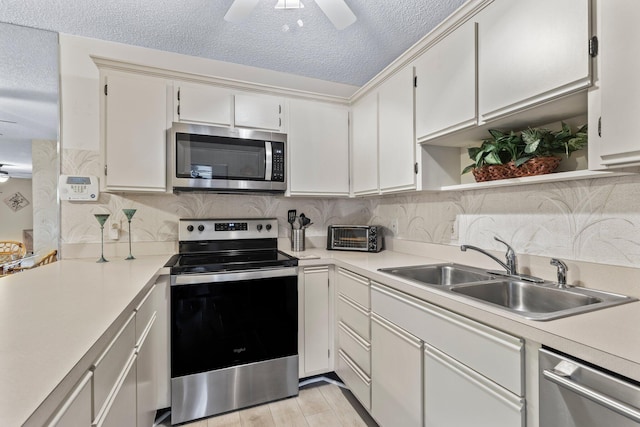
<point>337,11</point>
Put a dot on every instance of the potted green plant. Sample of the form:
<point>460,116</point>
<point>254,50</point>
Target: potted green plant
<point>534,151</point>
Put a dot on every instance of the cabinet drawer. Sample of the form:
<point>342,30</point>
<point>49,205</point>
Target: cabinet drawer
<point>354,286</point>
<point>144,313</point>
<point>355,347</point>
<point>354,316</point>
<point>357,381</point>
<point>109,366</point>
<point>485,403</point>
<point>76,409</point>
<point>492,353</point>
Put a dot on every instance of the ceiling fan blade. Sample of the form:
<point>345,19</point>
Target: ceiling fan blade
<point>239,10</point>
<point>338,12</point>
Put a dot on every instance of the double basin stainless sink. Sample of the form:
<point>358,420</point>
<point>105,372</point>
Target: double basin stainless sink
<point>535,301</point>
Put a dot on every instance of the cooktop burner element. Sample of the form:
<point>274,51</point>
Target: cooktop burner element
<point>213,245</point>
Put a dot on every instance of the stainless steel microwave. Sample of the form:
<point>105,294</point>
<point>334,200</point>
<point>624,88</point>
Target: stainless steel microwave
<point>365,238</point>
<point>209,158</point>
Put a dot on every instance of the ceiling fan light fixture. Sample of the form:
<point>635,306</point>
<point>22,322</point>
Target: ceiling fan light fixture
<point>289,4</point>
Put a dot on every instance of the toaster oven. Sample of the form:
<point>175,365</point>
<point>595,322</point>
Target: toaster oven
<point>364,238</point>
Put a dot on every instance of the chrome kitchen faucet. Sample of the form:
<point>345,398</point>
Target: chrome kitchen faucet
<point>511,265</point>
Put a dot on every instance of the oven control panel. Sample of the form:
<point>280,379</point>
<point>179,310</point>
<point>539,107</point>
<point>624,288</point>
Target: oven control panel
<point>227,229</point>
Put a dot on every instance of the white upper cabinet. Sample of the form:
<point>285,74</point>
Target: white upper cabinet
<point>364,159</point>
<point>619,85</point>
<point>318,145</point>
<point>134,125</point>
<point>258,111</point>
<point>531,51</point>
<point>202,103</point>
<point>397,145</point>
<point>446,84</point>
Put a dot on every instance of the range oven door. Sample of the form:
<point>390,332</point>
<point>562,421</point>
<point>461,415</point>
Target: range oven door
<point>234,340</point>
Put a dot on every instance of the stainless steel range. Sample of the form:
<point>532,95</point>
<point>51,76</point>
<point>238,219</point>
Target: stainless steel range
<point>234,317</point>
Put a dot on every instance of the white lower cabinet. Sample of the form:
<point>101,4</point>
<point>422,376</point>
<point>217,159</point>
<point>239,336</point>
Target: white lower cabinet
<point>120,408</point>
<point>75,411</point>
<point>455,395</point>
<point>146,373</point>
<point>315,338</point>
<point>396,383</point>
<point>353,377</point>
<point>353,363</point>
<point>468,375</point>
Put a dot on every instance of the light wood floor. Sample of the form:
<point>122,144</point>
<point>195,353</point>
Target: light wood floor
<point>322,405</point>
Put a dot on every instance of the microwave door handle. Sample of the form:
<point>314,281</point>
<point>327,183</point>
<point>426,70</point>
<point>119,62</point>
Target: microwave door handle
<point>268,167</point>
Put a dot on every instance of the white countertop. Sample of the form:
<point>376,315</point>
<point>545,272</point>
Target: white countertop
<point>609,338</point>
<point>51,316</point>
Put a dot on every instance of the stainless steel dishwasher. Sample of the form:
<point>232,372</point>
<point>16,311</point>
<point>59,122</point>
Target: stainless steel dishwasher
<point>576,394</point>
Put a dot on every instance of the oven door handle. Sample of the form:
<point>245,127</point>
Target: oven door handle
<point>233,276</point>
<point>607,401</point>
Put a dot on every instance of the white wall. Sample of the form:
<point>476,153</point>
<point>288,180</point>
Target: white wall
<point>12,223</point>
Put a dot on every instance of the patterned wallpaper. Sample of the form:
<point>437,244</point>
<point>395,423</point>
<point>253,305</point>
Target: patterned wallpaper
<point>157,214</point>
<point>594,220</point>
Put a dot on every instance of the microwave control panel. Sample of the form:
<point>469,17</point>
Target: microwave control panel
<point>78,188</point>
<point>278,161</point>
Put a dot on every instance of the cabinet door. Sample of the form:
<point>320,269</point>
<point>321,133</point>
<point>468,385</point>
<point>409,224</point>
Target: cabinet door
<point>121,407</point>
<point>619,84</point>
<point>316,320</point>
<point>455,395</point>
<point>318,141</point>
<point>396,378</point>
<point>364,159</point>
<point>258,112</point>
<point>146,376</point>
<point>397,142</point>
<point>446,84</point>
<point>531,51</point>
<point>202,103</point>
<point>135,124</point>
<point>75,411</point>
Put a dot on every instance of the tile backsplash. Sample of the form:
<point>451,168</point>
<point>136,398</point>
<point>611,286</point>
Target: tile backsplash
<point>594,220</point>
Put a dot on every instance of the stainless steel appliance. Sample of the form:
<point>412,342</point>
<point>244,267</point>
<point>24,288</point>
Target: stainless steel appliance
<point>574,393</point>
<point>209,158</point>
<point>234,317</point>
<point>365,238</point>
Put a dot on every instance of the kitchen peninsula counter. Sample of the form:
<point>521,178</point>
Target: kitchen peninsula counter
<point>608,338</point>
<point>52,316</point>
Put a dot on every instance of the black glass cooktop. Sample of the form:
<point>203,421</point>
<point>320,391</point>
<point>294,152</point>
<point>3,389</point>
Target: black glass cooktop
<point>210,262</point>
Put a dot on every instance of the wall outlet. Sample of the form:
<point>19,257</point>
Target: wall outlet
<point>454,231</point>
<point>114,231</point>
<point>394,226</point>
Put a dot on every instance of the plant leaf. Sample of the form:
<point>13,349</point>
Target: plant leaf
<point>531,147</point>
<point>468,168</point>
<point>493,159</point>
<point>496,134</point>
<point>522,160</point>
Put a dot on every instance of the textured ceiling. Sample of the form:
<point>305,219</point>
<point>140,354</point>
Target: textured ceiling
<point>383,30</point>
<point>28,70</point>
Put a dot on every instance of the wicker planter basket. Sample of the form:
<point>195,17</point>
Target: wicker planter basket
<point>535,166</point>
